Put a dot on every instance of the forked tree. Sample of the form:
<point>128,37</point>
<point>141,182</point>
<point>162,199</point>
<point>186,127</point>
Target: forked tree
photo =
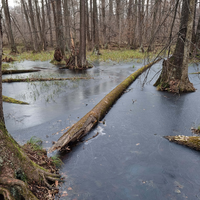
<point>16,169</point>
<point>174,75</point>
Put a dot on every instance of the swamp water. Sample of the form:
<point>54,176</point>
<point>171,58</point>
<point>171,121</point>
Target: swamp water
<point>129,159</point>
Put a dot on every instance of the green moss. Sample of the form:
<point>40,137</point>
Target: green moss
<point>62,62</point>
<point>117,55</point>
<point>11,100</point>
<point>5,66</point>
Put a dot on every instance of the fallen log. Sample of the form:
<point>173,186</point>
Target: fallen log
<point>192,142</point>
<point>85,124</point>
<point>11,100</point>
<point>11,80</point>
<point>19,71</point>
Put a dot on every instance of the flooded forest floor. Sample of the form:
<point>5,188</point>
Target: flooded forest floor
<point>129,158</point>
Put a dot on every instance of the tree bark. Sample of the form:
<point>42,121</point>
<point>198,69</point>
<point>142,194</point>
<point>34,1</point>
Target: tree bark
<point>85,124</point>
<point>35,41</point>
<point>8,23</point>
<point>49,20</point>
<point>67,26</point>
<point>59,28</point>
<point>82,49</point>
<point>27,20</point>
<point>174,75</point>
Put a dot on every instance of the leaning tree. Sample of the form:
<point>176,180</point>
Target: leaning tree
<point>16,168</point>
<point>174,75</point>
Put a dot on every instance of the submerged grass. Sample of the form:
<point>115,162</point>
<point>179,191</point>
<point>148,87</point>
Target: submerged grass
<point>118,55</point>
<point>107,55</point>
<point>42,56</point>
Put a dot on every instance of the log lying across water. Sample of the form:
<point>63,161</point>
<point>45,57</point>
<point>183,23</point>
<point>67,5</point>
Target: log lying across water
<point>11,80</point>
<point>19,71</point>
<point>192,142</point>
<point>11,100</point>
<point>85,124</point>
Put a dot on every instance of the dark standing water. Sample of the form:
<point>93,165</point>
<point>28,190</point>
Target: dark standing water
<point>129,159</point>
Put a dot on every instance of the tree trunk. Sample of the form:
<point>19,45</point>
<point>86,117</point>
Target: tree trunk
<point>174,75</point>
<point>104,22</point>
<point>59,28</point>
<point>39,24</point>
<point>67,27</point>
<point>16,169</point>
<point>82,49</point>
<point>35,41</point>
<point>8,23</point>
<point>85,124</point>
<point>110,18</point>
<point>95,26</point>
<point>27,20</point>
<point>88,35</point>
<point>49,20</point>
<point>43,28</point>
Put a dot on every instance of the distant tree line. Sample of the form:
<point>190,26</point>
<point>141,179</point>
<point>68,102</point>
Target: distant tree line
<point>39,24</point>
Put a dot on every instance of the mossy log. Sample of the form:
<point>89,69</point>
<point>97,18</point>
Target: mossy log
<point>192,142</point>
<point>195,73</point>
<point>85,124</point>
<point>19,71</point>
<point>11,100</point>
<point>11,80</point>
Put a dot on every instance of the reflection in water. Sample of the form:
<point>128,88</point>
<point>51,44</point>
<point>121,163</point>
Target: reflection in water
<point>129,159</point>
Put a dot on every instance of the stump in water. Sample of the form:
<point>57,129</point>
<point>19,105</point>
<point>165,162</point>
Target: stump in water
<point>58,55</point>
<point>7,60</point>
<point>174,78</point>
<point>73,62</point>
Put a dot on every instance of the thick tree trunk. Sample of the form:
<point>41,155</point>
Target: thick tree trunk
<point>49,20</point>
<point>16,169</point>
<point>67,26</point>
<point>82,49</point>
<point>59,28</point>
<point>85,124</point>
<point>174,75</point>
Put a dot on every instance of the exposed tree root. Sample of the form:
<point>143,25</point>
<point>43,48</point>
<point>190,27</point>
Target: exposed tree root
<point>84,125</point>
<point>7,60</point>
<point>18,187</point>
<point>73,63</point>
<point>171,79</point>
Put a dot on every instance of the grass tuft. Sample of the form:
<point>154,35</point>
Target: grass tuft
<point>57,161</point>
<point>35,143</point>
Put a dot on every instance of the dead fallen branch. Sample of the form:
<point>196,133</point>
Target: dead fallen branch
<point>192,142</point>
<point>11,100</point>
<point>195,73</point>
<point>85,124</point>
<point>11,80</point>
<point>19,71</point>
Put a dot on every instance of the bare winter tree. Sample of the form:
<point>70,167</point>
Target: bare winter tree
<point>8,23</point>
<point>174,76</point>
